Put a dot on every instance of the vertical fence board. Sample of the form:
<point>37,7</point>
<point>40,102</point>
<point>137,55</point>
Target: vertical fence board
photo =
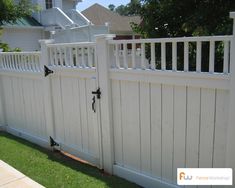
<point>83,107</point>
<point>92,121</point>
<point>145,144</point>
<point>37,108</point>
<point>179,128</point>
<point>2,118</point>
<point>9,99</point>
<point>156,130</point>
<point>221,126</point>
<point>167,131</point>
<point>117,122</point>
<point>207,127</point>
<point>28,106</point>
<point>15,103</point>
<point>76,114</point>
<point>131,132</point>
<point>40,106</point>
<point>31,99</point>
<point>58,108</point>
<point>21,103</point>
<point>193,127</point>
<point>67,103</point>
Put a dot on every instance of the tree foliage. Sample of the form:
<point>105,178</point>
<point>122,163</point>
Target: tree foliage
<point>10,10</point>
<point>130,9</point>
<point>111,7</point>
<point>173,18</point>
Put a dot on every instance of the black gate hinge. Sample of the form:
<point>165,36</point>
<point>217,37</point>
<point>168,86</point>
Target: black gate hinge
<point>47,71</point>
<point>53,142</point>
<point>97,93</point>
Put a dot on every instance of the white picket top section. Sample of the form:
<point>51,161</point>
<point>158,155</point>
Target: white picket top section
<point>135,58</point>
<point>20,61</point>
<point>79,55</point>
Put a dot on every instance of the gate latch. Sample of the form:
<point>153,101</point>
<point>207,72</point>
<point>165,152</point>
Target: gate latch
<point>47,71</point>
<point>97,93</point>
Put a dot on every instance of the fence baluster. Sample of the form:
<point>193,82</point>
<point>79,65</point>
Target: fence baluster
<point>186,60</point>
<point>133,52</point>
<point>143,65</point>
<point>226,57</point>
<point>125,56</point>
<point>212,56</point>
<point>163,56</point>
<point>117,56</point>
<point>199,56</point>
<point>174,56</point>
<point>89,56</point>
<point>153,59</point>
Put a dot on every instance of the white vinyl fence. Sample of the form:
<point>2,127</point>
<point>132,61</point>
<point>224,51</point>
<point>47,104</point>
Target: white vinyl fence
<point>139,109</point>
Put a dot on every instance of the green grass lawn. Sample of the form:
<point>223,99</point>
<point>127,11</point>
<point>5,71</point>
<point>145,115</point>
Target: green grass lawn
<point>53,169</point>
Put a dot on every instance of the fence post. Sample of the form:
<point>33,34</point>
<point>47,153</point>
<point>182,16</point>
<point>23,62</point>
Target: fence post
<point>103,65</point>
<point>44,60</point>
<point>230,159</point>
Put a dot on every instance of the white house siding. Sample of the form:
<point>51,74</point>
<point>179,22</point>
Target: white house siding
<point>24,38</point>
<point>80,34</point>
<point>67,5</point>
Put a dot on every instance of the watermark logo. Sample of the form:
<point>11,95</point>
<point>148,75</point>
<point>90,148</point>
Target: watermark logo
<point>185,177</point>
<point>204,176</point>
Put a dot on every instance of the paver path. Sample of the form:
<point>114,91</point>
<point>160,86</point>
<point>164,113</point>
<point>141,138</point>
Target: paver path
<point>11,178</point>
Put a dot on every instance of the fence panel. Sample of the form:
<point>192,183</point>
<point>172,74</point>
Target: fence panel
<point>21,76</point>
<point>162,122</point>
<point>164,103</point>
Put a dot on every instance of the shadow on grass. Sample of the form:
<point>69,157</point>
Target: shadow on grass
<point>109,180</point>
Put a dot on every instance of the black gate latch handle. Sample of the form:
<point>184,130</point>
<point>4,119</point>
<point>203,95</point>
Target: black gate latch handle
<point>97,93</point>
<point>93,103</point>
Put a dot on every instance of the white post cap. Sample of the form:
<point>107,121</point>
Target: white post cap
<point>232,15</point>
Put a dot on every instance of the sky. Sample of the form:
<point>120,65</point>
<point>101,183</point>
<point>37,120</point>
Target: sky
<point>87,3</point>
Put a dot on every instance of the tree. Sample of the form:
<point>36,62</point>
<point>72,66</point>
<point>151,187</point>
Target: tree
<point>130,9</point>
<point>111,7</point>
<point>177,18</point>
<point>10,11</point>
<point>171,18</point>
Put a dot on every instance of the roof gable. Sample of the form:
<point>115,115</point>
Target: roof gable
<point>100,15</point>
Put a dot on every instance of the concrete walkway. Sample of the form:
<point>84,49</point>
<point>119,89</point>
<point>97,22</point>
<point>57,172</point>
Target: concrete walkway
<point>11,178</point>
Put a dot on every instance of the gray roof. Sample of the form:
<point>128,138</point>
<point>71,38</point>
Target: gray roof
<point>23,22</point>
<point>118,24</point>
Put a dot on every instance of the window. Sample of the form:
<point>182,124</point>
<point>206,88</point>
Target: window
<point>48,4</point>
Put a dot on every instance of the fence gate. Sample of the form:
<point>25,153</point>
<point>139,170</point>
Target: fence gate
<point>75,100</point>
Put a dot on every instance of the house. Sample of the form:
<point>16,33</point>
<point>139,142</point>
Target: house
<point>23,34</point>
<point>119,25</point>
<point>58,20</point>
